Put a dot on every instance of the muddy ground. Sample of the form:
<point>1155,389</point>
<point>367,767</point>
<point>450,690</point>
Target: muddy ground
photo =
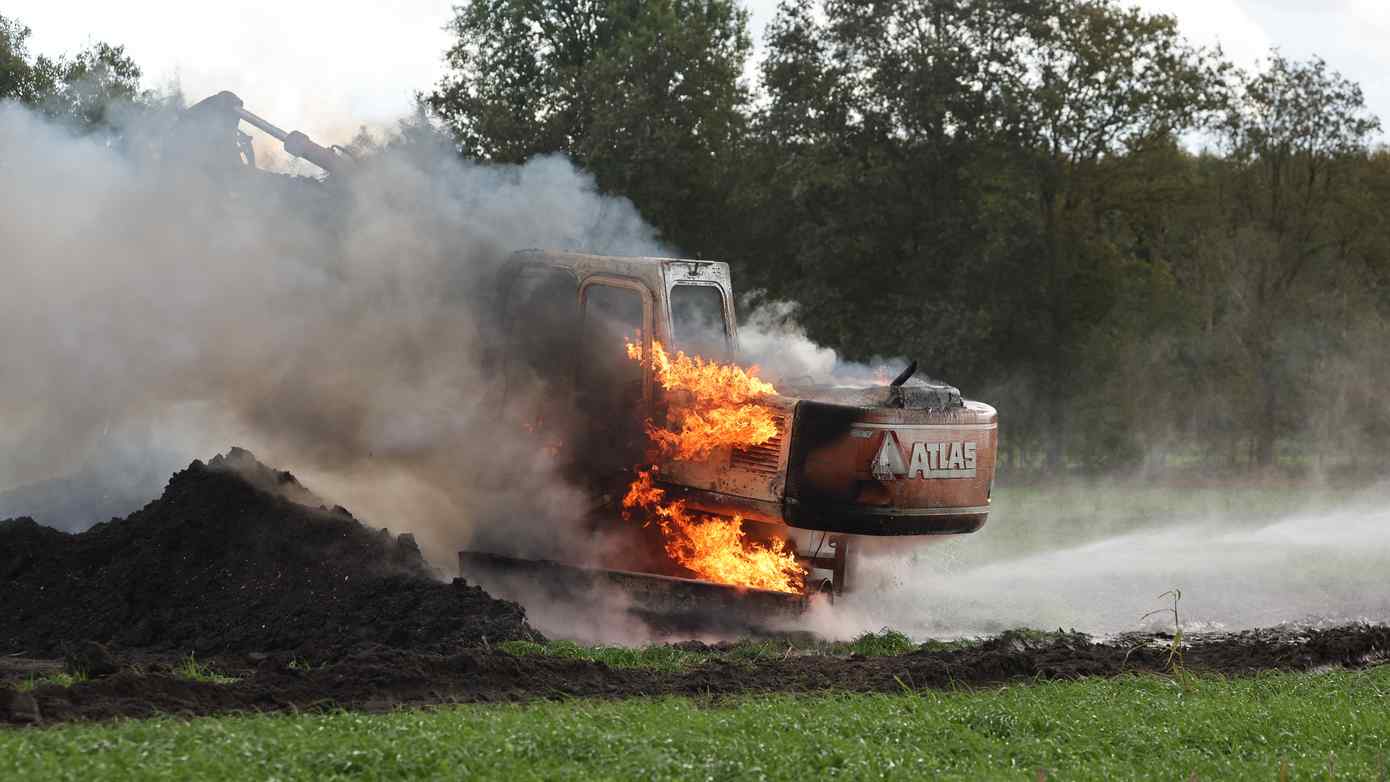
<point>383,678</point>
<point>299,606</point>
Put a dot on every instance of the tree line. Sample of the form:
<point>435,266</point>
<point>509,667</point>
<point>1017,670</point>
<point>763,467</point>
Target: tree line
<point>1141,254</point>
<point>86,89</point>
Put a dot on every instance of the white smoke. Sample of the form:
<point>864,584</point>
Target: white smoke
<point>1097,559</point>
<point>1096,554</point>
<point>771,337</point>
<point>153,314</point>
<point>333,329</point>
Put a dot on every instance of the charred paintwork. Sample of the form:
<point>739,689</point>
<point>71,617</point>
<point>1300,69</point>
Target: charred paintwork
<point>834,485</point>
<point>825,479</point>
<point>913,458</point>
<point>657,276</point>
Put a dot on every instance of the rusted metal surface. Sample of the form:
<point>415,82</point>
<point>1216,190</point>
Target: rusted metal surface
<point>836,563</point>
<point>756,477</point>
<point>857,470</point>
<point>911,458</point>
<point>885,471</point>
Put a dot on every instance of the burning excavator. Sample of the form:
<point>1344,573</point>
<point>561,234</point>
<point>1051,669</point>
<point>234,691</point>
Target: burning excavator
<point>741,483</point>
<point>731,492</point>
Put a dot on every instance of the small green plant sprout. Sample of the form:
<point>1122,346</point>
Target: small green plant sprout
<point>655,657</point>
<point>522,648</point>
<point>885,643</point>
<point>60,679</point>
<point>753,651</point>
<point>190,669</point>
<point>1174,648</point>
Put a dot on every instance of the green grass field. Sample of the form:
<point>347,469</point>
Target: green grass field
<point>665,657</point>
<point>1323,726</point>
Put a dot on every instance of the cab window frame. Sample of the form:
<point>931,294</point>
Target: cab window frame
<point>512,305</point>
<point>726,316</point>
<point>648,321</point>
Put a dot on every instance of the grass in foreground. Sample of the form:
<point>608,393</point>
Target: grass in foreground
<point>1324,726</point>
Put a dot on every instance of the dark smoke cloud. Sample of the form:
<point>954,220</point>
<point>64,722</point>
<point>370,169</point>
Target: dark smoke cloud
<point>338,330</point>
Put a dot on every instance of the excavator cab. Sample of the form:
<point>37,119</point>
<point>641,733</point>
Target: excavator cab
<point>566,320</point>
<point>904,459</point>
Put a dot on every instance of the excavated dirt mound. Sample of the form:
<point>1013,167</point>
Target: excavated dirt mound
<point>383,678</point>
<point>235,557</point>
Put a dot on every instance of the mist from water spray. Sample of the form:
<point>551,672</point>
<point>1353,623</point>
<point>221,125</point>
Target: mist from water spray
<point>1321,560</point>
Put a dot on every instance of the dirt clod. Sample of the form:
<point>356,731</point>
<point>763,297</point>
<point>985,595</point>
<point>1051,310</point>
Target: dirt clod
<point>18,708</point>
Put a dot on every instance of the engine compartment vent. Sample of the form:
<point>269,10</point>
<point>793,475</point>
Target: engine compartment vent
<point>765,458</point>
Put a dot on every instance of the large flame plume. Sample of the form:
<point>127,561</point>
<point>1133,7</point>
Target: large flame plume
<point>713,406</point>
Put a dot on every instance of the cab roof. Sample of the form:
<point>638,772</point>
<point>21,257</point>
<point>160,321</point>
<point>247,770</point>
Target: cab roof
<point>649,269</point>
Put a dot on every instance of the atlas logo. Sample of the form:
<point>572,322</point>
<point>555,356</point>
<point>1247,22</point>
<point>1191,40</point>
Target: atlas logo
<point>929,460</point>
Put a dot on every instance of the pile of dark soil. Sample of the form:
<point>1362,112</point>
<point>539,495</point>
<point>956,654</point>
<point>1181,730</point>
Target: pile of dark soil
<point>235,557</point>
<point>382,678</point>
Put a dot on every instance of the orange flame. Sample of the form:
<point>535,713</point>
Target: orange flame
<point>716,549</point>
<point>717,410</point>
<point>713,406</point>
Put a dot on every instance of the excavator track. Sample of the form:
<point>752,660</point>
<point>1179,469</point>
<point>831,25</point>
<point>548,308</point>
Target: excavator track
<point>665,603</point>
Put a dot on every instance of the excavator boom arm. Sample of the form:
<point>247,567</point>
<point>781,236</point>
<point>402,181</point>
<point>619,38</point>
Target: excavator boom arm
<point>227,104</point>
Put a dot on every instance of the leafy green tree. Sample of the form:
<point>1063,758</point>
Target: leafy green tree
<point>646,95</point>
<point>1298,136</point>
<point>1102,85</point>
<point>967,181</point>
<point>82,90</point>
<point>877,152</point>
<point>16,72</point>
<point>86,88</point>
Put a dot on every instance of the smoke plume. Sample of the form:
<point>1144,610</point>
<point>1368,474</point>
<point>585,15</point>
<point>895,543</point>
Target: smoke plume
<point>1099,555</point>
<point>340,328</point>
<point>772,338</point>
<point>155,311</point>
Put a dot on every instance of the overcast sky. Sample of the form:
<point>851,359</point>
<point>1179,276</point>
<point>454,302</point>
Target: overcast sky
<point>324,68</point>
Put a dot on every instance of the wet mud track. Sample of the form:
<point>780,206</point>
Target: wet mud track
<point>384,678</point>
